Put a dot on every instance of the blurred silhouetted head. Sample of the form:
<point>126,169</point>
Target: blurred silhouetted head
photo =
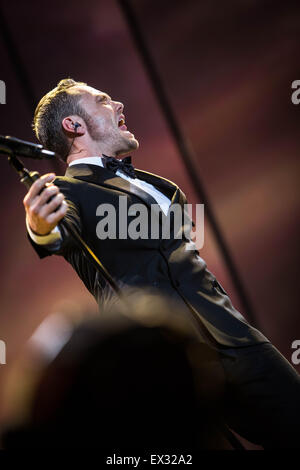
<point>137,378</point>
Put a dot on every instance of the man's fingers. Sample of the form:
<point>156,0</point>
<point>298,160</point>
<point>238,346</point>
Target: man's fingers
<point>55,217</point>
<point>47,193</point>
<point>37,187</point>
<point>51,206</point>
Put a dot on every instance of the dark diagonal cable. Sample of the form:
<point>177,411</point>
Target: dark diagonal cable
<point>184,150</point>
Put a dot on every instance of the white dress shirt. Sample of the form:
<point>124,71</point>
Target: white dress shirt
<point>160,198</point>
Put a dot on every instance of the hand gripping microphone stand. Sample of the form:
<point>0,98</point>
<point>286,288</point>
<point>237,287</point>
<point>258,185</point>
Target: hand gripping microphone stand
<point>28,178</point>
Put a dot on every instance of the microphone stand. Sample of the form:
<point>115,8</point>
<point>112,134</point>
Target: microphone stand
<point>28,178</point>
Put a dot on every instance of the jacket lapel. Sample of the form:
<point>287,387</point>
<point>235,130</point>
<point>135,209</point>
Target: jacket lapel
<point>162,184</point>
<point>104,177</point>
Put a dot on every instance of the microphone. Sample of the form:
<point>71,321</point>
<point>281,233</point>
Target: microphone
<point>25,149</point>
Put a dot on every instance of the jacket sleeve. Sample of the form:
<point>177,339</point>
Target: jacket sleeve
<point>72,217</point>
<point>67,246</point>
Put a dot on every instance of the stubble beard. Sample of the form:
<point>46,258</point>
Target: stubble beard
<point>123,144</point>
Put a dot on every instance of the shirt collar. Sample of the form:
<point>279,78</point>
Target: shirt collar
<point>88,160</point>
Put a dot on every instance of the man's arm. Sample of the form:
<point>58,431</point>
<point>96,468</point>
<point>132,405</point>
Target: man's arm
<point>54,236</point>
<point>53,239</point>
<point>43,215</point>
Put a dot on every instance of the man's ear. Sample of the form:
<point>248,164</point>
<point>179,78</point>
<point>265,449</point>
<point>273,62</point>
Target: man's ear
<point>73,125</point>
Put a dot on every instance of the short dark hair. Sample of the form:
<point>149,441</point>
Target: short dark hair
<point>51,110</point>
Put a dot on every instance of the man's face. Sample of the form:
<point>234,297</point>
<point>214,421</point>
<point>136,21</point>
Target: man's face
<point>107,122</point>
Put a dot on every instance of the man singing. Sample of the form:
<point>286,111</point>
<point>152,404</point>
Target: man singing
<point>86,127</point>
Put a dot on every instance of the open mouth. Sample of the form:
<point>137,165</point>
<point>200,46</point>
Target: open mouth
<point>121,123</point>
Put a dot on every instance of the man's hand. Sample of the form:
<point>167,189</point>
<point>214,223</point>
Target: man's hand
<point>41,212</point>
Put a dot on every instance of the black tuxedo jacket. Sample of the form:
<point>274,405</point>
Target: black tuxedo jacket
<point>163,264</point>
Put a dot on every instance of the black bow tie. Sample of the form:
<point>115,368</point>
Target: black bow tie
<point>113,164</point>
